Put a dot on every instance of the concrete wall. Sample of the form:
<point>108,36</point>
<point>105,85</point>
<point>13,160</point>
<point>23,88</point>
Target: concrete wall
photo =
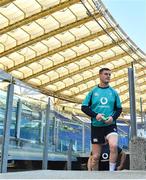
<point>137,149</point>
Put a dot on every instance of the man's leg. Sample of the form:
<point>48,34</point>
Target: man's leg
<point>96,151</point>
<point>113,143</point>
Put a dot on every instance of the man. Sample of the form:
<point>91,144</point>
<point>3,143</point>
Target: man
<point>101,103</point>
<point>104,159</point>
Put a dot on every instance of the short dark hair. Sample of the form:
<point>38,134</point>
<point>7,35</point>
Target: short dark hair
<point>103,69</point>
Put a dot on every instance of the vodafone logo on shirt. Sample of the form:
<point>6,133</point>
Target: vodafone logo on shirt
<point>104,100</point>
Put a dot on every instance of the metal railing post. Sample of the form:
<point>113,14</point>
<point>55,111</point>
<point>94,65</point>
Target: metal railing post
<point>46,137</point>
<point>7,123</point>
<point>83,137</point>
<point>132,103</point>
<point>18,118</point>
<point>69,157</point>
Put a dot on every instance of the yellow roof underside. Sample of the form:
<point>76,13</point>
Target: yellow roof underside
<point>58,46</point>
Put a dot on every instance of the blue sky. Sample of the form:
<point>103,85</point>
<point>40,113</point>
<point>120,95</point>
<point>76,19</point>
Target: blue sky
<point>131,16</point>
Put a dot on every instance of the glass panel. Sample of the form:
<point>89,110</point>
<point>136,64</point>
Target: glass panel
<point>123,132</point>
<point>3,97</point>
<point>139,98</point>
<point>27,127</point>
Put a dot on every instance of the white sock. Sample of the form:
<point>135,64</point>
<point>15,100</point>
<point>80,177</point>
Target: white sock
<point>112,166</point>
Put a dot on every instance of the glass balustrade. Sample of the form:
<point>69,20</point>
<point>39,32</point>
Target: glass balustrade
<point>28,124</point>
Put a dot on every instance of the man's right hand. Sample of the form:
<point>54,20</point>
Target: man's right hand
<point>99,117</point>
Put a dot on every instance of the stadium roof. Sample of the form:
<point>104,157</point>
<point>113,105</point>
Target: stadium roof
<point>58,47</point>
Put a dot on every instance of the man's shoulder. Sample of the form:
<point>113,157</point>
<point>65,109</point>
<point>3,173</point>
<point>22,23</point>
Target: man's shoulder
<point>113,90</point>
<point>95,88</point>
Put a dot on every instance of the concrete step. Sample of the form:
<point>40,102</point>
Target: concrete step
<point>53,174</point>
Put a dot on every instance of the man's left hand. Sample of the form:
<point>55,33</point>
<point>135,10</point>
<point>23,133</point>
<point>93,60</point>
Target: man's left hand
<point>109,121</point>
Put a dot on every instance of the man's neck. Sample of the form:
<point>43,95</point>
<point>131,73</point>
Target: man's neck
<point>103,84</point>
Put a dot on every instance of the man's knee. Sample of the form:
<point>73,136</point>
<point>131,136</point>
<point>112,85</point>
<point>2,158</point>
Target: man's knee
<point>95,158</point>
<point>95,162</point>
<point>113,147</point>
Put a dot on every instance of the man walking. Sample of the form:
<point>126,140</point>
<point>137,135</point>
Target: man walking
<point>103,105</point>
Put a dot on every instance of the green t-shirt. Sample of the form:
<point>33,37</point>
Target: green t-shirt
<point>103,101</point>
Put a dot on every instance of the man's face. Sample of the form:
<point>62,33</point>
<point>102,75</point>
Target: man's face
<point>105,77</point>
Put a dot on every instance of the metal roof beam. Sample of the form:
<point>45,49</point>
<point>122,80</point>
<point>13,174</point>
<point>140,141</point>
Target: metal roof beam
<point>65,97</point>
<point>83,69</point>
<point>47,35</point>
<point>36,16</point>
<point>69,61</point>
<point>87,80</point>
<point>35,59</point>
<point>75,43</point>
<point>117,86</point>
<point>54,51</point>
<point>59,96</point>
<point>127,90</point>
<point>5,2</point>
<point>86,90</point>
<point>88,68</point>
<point>125,101</point>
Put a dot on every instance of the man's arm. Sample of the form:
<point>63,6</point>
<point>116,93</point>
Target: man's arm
<point>86,105</point>
<point>117,113</point>
<point>92,114</point>
<point>117,107</point>
<point>87,110</point>
<point>122,160</point>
